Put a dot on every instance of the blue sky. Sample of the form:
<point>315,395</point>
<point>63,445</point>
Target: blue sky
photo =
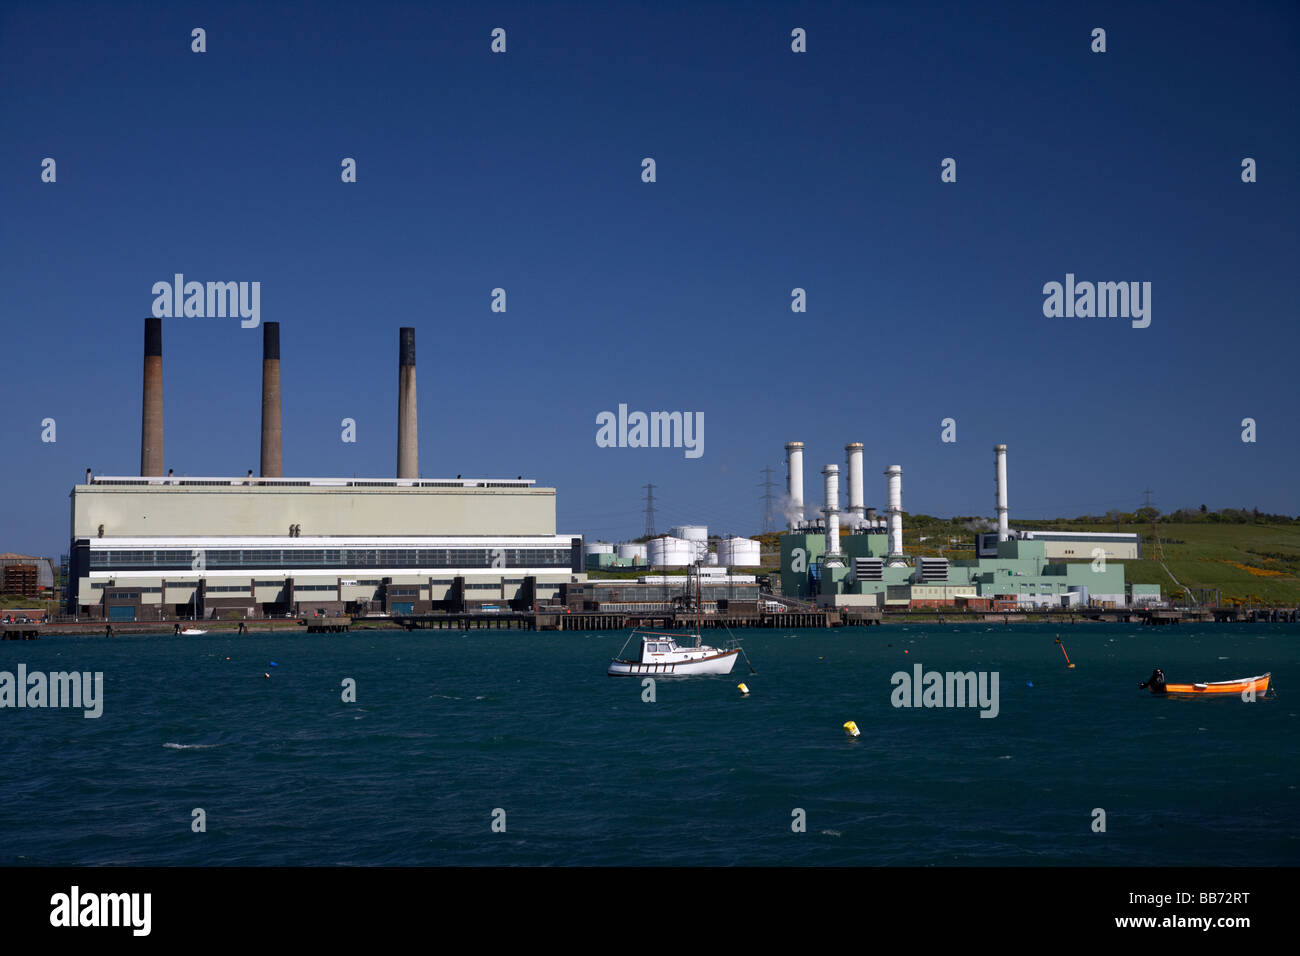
<point>775,170</point>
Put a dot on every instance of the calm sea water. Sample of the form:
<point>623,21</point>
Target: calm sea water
<point>448,727</point>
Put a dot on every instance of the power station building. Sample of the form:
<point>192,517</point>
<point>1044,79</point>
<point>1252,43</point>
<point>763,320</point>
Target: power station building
<point>867,566</point>
<point>160,546</point>
<point>1020,576</point>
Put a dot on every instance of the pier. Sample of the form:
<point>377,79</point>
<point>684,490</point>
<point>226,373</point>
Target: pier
<point>802,619</point>
<point>557,618</point>
<point>324,625</point>
<point>560,620</point>
<point>468,621</point>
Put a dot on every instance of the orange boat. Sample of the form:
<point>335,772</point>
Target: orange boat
<point>1259,685</point>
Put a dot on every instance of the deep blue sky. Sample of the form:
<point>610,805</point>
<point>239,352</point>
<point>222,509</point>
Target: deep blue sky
<point>775,170</point>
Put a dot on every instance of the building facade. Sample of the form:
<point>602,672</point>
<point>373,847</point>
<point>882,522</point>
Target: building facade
<point>1072,545</point>
<point>867,573</point>
<point>156,548</point>
<point>25,574</point>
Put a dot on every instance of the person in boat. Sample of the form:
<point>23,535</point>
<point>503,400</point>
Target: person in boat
<point>1155,683</point>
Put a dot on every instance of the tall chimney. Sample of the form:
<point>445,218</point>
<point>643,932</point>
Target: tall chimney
<point>272,461</point>
<point>857,509</point>
<point>151,417</point>
<point>894,485</point>
<point>832,509</point>
<point>1000,470</point>
<point>794,483</point>
<point>408,433</point>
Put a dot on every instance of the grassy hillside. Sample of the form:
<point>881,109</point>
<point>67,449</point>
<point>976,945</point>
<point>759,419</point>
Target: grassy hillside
<point>1250,563</point>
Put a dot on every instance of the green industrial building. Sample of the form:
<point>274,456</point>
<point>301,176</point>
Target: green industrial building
<point>865,573</point>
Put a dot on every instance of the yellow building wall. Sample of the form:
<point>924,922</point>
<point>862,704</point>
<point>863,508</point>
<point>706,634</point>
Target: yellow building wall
<point>250,511</point>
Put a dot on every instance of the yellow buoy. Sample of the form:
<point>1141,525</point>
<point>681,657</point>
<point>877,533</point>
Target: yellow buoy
<point>743,689</point>
<point>851,729</point>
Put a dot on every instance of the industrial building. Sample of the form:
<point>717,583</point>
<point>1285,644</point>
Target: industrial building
<point>162,546</point>
<point>25,574</point>
<point>867,566</point>
<point>683,547</point>
<point>1076,545</point>
<point>719,593</point>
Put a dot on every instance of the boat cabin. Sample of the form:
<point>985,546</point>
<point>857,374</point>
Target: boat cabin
<point>655,648</point>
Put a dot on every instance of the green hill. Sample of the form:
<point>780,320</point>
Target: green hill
<point>1248,563</point>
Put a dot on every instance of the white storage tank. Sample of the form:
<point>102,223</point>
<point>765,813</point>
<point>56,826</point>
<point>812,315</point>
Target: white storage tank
<point>670,552</point>
<point>698,534</point>
<point>738,552</point>
<point>597,547</point>
<point>631,551</point>
<point>712,558</point>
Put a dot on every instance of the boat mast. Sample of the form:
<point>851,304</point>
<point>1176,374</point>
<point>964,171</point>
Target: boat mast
<point>698,608</point>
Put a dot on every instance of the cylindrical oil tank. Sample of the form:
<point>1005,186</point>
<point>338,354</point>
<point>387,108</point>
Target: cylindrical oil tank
<point>698,534</point>
<point>739,552</point>
<point>631,551</point>
<point>597,547</point>
<point>670,552</point>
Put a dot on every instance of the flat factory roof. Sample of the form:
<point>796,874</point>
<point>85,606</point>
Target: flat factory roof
<point>331,542</point>
<point>254,481</point>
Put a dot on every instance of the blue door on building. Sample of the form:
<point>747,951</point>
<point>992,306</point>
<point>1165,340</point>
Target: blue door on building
<point>121,612</point>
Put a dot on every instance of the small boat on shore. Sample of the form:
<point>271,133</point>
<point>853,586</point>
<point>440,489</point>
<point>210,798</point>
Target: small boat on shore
<point>193,631</point>
<point>1157,685</point>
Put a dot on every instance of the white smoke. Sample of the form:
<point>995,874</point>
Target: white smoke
<point>790,509</point>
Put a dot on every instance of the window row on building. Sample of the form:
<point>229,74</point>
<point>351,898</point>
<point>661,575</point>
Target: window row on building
<point>325,558</point>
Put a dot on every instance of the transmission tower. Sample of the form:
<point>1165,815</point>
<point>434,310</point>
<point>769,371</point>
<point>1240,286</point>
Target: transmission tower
<point>649,510</point>
<point>1155,532</point>
<point>767,499</point>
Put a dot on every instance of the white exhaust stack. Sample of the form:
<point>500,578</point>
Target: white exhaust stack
<point>857,510</point>
<point>794,483</point>
<point>1000,465</point>
<point>894,486</point>
<point>832,510</point>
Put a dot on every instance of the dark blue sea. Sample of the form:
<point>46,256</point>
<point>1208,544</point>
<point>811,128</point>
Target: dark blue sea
<point>448,727</point>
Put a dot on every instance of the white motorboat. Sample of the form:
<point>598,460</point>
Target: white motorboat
<point>191,631</point>
<point>662,656</point>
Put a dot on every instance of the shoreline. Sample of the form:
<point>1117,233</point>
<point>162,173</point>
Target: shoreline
<point>591,621</point>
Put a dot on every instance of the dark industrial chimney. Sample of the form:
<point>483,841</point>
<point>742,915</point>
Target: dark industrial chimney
<point>151,420</point>
<point>408,434</point>
<point>272,462</point>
